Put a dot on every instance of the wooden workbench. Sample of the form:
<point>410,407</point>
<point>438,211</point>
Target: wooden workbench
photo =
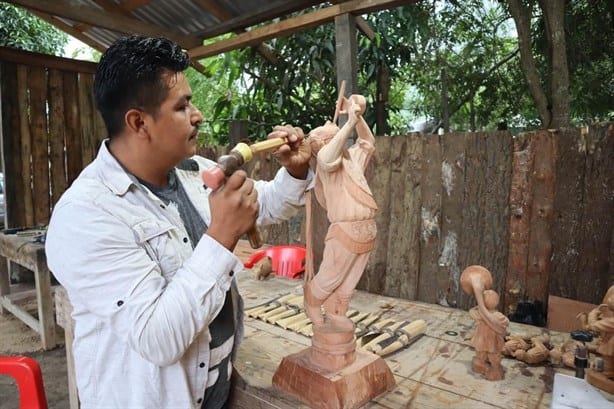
<point>23,250</point>
<point>434,372</point>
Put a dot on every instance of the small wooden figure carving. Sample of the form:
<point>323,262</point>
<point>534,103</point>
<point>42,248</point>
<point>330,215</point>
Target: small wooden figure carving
<point>344,377</point>
<point>564,354</point>
<point>264,268</point>
<point>539,349</point>
<point>537,353</point>
<point>489,338</point>
<point>601,320</point>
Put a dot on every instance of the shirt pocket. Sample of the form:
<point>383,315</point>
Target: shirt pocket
<point>156,238</point>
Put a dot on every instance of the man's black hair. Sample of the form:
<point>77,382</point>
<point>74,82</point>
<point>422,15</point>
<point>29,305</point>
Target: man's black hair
<point>130,74</point>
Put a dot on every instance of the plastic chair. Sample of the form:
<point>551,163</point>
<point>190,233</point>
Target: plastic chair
<point>287,261</point>
<point>27,373</point>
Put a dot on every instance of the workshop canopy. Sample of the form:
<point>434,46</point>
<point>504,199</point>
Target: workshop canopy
<point>199,26</point>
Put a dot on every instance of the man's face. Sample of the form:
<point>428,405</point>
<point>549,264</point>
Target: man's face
<point>174,129</point>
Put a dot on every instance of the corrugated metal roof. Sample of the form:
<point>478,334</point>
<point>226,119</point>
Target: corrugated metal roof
<point>189,22</point>
<point>198,19</point>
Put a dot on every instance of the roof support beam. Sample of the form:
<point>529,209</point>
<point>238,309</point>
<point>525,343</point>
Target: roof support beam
<point>78,34</point>
<point>292,25</point>
<point>95,17</point>
<point>222,15</point>
<point>273,9</point>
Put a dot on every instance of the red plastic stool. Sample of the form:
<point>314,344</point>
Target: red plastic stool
<point>287,261</point>
<point>27,373</point>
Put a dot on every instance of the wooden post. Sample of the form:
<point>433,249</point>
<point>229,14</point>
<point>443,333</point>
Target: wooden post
<point>521,203</point>
<point>430,219</point>
<point>540,236</point>
<point>63,310</point>
<point>383,92</point>
<point>347,66</point>
<point>237,130</point>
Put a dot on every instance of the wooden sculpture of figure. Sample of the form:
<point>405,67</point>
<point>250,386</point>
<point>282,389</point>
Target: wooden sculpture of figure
<point>601,320</point>
<point>342,190</point>
<point>333,373</point>
<point>537,353</point>
<point>489,338</point>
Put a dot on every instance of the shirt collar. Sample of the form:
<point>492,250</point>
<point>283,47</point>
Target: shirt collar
<point>114,176</point>
<point>118,179</point>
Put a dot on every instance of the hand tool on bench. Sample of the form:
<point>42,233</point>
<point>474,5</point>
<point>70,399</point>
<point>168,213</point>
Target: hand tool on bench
<point>378,331</point>
<point>290,310</point>
<point>268,305</point>
<point>285,323</point>
<point>364,327</point>
<point>403,336</point>
<point>282,307</point>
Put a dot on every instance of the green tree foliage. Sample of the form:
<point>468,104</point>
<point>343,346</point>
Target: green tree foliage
<point>217,95</point>
<point>590,54</point>
<point>299,88</point>
<point>473,42</point>
<point>413,43</point>
<point>20,29</point>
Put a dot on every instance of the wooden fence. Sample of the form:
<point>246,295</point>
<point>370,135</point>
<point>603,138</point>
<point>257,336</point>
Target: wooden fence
<point>536,209</point>
<point>50,130</point>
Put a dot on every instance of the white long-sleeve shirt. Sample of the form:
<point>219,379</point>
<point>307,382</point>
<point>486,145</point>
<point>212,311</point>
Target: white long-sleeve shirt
<point>142,298</point>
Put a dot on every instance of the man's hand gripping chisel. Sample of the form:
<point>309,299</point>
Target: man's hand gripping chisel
<point>228,164</point>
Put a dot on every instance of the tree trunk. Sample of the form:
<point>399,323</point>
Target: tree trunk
<point>522,19</point>
<point>444,101</point>
<point>471,116</point>
<point>553,111</point>
<point>383,92</point>
<point>554,15</point>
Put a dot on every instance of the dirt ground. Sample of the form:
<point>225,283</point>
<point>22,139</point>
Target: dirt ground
<point>16,338</point>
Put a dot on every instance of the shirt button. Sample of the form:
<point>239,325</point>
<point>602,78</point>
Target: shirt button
<point>202,365</point>
<point>185,239</point>
<point>120,303</point>
<point>199,400</point>
<point>231,273</point>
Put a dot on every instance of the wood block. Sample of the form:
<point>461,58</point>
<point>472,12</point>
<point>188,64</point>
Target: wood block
<point>599,380</point>
<point>348,388</point>
<point>562,313</point>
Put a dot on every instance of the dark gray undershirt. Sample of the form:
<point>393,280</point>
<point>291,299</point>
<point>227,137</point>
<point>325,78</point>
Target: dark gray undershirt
<point>222,327</point>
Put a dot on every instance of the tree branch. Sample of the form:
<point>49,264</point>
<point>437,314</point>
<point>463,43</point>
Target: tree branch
<point>522,19</point>
<point>470,94</point>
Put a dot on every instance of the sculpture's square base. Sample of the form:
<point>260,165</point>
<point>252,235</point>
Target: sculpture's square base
<point>350,387</point>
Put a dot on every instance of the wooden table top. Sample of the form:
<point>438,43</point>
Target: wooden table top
<point>433,372</point>
<point>23,248</point>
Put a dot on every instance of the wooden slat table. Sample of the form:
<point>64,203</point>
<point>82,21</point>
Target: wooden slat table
<point>434,372</point>
<point>21,249</point>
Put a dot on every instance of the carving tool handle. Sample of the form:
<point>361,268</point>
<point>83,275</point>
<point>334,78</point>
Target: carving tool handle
<point>268,145</point>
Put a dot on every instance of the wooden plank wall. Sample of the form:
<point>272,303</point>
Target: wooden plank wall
<point>582,266</point>
<point>444,205</point>
<point>50,131</point>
